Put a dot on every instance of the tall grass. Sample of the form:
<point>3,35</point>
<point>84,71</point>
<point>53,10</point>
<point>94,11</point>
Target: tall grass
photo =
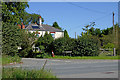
<point>0,67</point>
<point>9,59</point>
<point>17,73</point>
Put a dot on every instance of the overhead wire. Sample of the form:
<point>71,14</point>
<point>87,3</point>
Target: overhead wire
<point>96,11</point>
<point>92,10</point>
<point>76,27</point>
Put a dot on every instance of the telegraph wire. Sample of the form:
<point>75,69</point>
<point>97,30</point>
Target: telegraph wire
<point>92,10</point>
<point>94,20</point>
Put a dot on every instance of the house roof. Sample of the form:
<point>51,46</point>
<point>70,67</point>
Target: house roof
<point>44,27</point>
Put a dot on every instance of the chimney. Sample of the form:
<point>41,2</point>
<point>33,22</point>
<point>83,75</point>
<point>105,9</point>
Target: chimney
<point>19,26</point>
<point>40,21</point>
<point>23,26</point>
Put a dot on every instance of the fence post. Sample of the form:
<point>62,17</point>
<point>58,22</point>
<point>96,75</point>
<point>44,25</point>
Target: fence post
<point>114,53</point>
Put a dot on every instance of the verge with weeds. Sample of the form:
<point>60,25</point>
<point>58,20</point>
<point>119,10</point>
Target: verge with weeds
<point>9,59</point>
<point>17,73</point>
<point>86,57</point>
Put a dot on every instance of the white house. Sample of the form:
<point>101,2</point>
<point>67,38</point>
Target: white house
<point>42,28</point>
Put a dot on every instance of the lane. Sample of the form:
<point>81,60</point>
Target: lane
<point>74,68</point>
<point>77,70</point>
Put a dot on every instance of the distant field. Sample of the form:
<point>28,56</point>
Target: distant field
<point>86,57</point>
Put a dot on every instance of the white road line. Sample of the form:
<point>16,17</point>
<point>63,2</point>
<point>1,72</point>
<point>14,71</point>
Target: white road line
<point>55,60</point>
<point>67,61</point>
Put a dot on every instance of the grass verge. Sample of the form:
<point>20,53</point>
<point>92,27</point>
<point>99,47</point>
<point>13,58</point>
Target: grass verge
<point>0,67</point>
<point>0,60</point>
<point>17,73</point>
<point>9,59</point>
<point>86,57</point>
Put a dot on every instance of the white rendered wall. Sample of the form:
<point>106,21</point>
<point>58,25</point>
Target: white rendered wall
<point>57,34</point>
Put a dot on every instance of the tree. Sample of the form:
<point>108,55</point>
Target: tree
<point>0,29</point>
<point>31,18</point>
<point>86,28</point>
<point>107,31</point>
<point>97,32</point>
<point>10,39</point>
<point>12,12</point>
<point>92,31</point>
<point>118,49</point>
<point>55,24</point>
<point>27,41</point>
<point>66,34</point>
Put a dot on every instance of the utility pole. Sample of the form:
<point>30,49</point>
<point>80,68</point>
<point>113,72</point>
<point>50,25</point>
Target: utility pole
<point>113,27</point>
<point>75,35</point>
<point>114,37</point>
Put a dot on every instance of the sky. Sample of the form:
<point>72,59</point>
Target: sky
<point>73,16</point>
<point>74,0</point>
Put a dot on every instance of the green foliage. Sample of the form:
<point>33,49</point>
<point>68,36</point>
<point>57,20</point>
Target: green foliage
<point>108,46</point>
<point>12,12</point>
<point>95,32</point>
<point>11,39</point>
<point>83,46</point>
<point>18,73</point>
<point>118,48</point>
<point>66,34</point>
<point>27,41</point>
<point>109,53</point>
<point>105,39</point>
<point>9,59</point>
<point>86,28</point>
<point>63,44</point>
<point>86,46</point>
<point>44,43</point>
<point>31,18</point>
<point>107,31</point>
<point>55,24</point>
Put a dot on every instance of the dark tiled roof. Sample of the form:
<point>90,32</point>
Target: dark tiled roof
<point>44,27</point>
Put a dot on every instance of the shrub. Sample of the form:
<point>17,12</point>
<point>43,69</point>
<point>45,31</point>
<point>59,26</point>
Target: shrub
<point>109,46</point>
<point>44,43</point>
<point>86,46</point>
<point>62,44</point>
<point>10,39</point>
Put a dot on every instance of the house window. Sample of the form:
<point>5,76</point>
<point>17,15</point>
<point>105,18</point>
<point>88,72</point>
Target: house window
<point>37,35</point>
<point>53,34</point>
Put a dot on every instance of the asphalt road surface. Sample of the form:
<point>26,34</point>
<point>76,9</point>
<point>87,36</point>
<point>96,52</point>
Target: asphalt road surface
<point>74,68</point>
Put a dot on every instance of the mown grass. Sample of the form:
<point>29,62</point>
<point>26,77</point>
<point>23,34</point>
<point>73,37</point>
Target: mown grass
<point>86,57</point>
<point>17,73</point>
<point>9,59</point>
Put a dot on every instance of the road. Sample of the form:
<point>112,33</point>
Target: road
<point>74,68</point>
